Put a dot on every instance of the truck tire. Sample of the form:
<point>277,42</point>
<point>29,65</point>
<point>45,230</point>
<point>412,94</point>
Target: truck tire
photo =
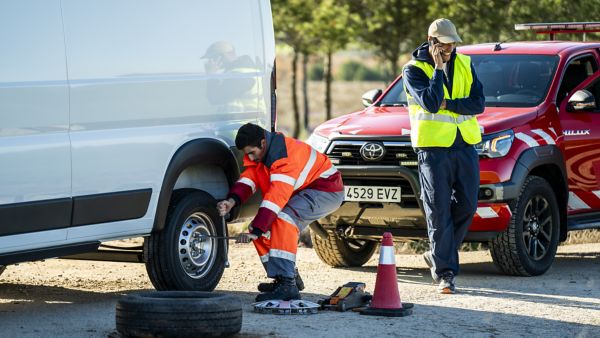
<point>178,314</point>
<point>179,257</point>
<point>528,246</point>
<point>340,252</point>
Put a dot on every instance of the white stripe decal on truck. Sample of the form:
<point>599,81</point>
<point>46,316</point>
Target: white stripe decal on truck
<point>527,139</point>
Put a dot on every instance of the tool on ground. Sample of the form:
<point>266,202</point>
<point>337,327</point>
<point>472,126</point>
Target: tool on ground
<point>287,307</point>
<point>386,298</point>
<point>348,296</point>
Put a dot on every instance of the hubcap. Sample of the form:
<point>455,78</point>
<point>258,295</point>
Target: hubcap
<point>537,227</point>
<point>197,252</point>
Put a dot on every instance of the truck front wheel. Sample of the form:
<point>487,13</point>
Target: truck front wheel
<point>528,246</point>
<point>343,252</point>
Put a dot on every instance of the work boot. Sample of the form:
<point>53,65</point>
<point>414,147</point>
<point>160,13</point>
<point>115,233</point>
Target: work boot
<point>285,290</point>
<point>447,283</point>
<point>428,257</point>
<point>268,287</point>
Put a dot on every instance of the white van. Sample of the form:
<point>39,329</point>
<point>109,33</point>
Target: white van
<point>118,120</point>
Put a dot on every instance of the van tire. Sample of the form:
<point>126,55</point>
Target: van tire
<point>340,252</point>
<point>166,254</point>
<point>178,314</point>
<point>509,251</point>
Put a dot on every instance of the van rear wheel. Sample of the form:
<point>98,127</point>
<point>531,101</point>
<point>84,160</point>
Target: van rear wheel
<point>342,252</point>
<point>181,257</point>
<point>528,246</point>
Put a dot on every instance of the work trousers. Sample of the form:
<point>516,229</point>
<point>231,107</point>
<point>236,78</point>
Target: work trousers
<point>449,188</point>
<point>277,251</point>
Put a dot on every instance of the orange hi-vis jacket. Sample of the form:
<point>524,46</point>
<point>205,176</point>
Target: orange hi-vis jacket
<point>289,165</point>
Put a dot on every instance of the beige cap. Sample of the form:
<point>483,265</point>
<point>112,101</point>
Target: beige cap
<point>217,49</point>
<point>444,30</point>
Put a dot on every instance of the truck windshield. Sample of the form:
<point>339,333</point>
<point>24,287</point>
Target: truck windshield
<point>508,80</point>
<point>514,80</point>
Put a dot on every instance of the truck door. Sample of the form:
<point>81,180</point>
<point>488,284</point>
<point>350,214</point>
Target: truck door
<point>35,159</point>
<point>581,129</point>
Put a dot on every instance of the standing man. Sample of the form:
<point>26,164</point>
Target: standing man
<point>444,94</point>
<point>299,185</point>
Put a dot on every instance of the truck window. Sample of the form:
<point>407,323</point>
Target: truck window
<point>514,80</point>
<point>577,71</point>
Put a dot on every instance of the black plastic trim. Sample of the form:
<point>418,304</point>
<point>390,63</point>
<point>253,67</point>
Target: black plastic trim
<point>382,138</point>
<point>527,162</point>
<point>32,255</point>
<point>110,207</point>
<point>20,218</point>
<point>584,221</point>
<point>25,217</point>
<point>200,151</point>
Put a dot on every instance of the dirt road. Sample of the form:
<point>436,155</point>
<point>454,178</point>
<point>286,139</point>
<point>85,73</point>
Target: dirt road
<point>66,298</point>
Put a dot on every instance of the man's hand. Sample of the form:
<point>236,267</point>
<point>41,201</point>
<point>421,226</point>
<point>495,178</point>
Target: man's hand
<point>436,53</point>
<point>443,106</point>
<point>225,206</point>
<point>246,237</point>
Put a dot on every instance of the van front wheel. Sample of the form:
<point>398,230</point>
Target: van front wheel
<point>181,256</point>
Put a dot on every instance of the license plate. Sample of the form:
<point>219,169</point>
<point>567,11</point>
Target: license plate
<point>371,194</point>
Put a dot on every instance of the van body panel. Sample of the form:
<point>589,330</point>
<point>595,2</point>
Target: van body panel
<point>108,107</point>
<point>34,107</point>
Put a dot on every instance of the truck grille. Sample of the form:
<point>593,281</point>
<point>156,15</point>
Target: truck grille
<point>396,153</point>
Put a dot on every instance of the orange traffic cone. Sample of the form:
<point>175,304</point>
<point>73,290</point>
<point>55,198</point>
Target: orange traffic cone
<point>386,298</point>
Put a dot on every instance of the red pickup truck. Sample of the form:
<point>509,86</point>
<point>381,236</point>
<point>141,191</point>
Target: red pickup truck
<point>539,158</point>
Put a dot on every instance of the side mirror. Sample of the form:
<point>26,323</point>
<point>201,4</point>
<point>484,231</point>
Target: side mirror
<point>582,100</point>
<point>371,96</point>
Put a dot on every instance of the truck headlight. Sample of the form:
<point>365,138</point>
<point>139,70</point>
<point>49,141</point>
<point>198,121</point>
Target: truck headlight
<point>496,145</point>
<point>318,142</point>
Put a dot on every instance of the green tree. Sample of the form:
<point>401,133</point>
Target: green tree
<point>392,27</point>
<point>335,27</point>
<point>292,24</point>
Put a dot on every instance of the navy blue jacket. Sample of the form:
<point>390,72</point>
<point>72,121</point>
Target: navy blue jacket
<point>429,93</point>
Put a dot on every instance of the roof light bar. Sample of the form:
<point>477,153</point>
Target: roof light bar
<point>587,26</point>
<point>560,27</point>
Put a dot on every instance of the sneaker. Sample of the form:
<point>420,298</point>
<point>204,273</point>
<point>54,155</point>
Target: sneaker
<point>427,256</point>
<point>268,287</point>
<point>447,284</point>
<point>285,290</point>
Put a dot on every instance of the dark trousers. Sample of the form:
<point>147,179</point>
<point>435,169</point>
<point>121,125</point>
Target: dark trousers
<point>449,188</point>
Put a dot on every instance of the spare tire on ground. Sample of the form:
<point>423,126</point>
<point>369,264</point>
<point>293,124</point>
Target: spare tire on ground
<point>178,314</point>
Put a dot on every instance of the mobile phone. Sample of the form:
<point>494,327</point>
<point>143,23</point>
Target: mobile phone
<point>434,41</point>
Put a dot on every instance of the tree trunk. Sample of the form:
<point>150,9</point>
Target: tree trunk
<point>393,69</point>
<point>328,79</point>
<point>295,96</point>
<point>305,89</point>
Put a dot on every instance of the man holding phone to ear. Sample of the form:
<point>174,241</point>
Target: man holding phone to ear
<point>444,95</point>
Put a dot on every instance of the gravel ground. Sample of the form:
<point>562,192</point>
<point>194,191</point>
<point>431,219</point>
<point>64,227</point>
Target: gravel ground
<point>68,298</point>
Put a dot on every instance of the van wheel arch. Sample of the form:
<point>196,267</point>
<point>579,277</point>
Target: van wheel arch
<point>201,151</point>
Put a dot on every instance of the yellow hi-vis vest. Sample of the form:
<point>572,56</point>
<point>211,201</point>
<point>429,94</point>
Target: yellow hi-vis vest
<point>439,129</point>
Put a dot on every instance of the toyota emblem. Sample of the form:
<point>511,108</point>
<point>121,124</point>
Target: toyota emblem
<point>372,151</point>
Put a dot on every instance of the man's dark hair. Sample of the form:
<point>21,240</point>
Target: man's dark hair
<point>249,135</point>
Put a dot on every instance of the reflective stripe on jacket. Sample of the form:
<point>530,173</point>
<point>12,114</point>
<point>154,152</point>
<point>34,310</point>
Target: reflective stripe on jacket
<point>288,166</point>
<point>439,129</point>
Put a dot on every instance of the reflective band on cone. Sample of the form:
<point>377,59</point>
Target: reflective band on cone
<point>386,298</point>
